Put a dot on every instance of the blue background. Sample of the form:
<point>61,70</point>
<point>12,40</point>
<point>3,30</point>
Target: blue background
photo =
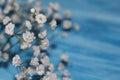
<point>95,50</point>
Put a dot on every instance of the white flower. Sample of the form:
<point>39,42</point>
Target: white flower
<point>53,24</point>
<point>9,29</point>
<point>32,10</point>
<point>40,69</point>
<point>67,24</point>
<point>25,45</point>
<point>20,76</point>
<point>60,66</point>
<point>45,60</point>
<point>64,57</point>
<point>34,62</point>
<point>54,6</point>
<point>28,36</point>
<point>31,71</point>
<point>66,78</point>
<point>42,34</point>
<point>16,61</point>
<point>65,73</point>
<point>6,20</point>
<point>5,57</point>
<point>51,67</point>
<point>40,18</point>
<point>44,44</point>
<point>36,50</point>
<point>28,24</point>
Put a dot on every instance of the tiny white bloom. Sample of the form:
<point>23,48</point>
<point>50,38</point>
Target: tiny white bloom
<point>25,45</point>
<point>45,60</point>
<point>20,76</point>
<point>67,24</point>
<point>32,10</point>
<point>16,61</point>
<point>40,18</point>
<point>53,24</point>
<point>51,67</point>
<point>28,24</point>
<point>31,71</point>
<point>28,36</point>
<point>9,29</point>
<point>64,57</point>
<point>60,66</point>
<point>5,57</point>
<point>65,73</point>
<point>36,50</point>
<point>6,20</point>
<point>40,69</point>
<point>42,34</point>
<point>44,44</point>
<point>34,62</point>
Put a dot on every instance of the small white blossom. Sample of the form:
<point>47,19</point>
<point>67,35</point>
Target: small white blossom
<point>6,20</point>
<point>20,76</point>
<point>28,36</point>
<point>45,60</point>
<point>36,50</point>
<point>51,67</point>
<point>66,78</point>
<point>65,73</point>
<point>40,69</point>
<point>31,71</point>
<point>5,57</point>
<point>34,62</point>
<point>60,66</point>
<point>7,9</point>
<point>16,61</point>
<point>40,18</point>
<point>32,10</point>
<point>42,34</point>
<point>53,24</point>
<point>67,24</point>
<point>9,29</point>
<point>64,57</point>
<point>25,45</point>
<point>28,24</point>
<point>44,44</point>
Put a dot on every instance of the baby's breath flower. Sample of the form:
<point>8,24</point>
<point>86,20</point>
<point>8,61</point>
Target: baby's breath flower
<point>25,45</point>
<point>40,69</point>
<point>42,34</point>
<point>34,62</point>
<point>9,29</point>
<point>65,73</point>
<point>31,71</point>
<point>44,44</point>
<point>53,24</point>
<point>16,61</point>
<point>6,20</point>
<point>28,24</point>
<point>45,60</point>
<point>28,36</point>
<point>51,67</point>
<point>32,10</point>
<point>67,24</point>
<point>41,19</point>
<point>36,50</point>
<point>60,66</point>
<point>64,57</point>
<point>20,76</point>
<point>5,57</point>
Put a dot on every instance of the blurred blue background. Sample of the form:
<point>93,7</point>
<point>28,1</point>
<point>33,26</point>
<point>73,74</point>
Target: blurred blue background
<point>95,50</point>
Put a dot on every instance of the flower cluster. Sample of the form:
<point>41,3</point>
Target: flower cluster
<point>28,31</point>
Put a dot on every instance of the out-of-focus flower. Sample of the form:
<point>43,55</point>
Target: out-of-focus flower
<point>67,13</point>
<point>65,73</point>
<point>15,18</point>
<point>45,60</point>
<point>36,50</point>
<point>53,24</point>
<point>25,45</point>
<point>42,34</point>
<point>66,78</point>
<point>57,16</point>
<point>2,2</point>
<point>6,20</point>
<point>34,62</point>
<point>38,6</point>
<point>55,6</point>
<point>7,9</point>
<point>51,67</point>
<point>76,27</point>
<point>28,36</point>
<point>60,66</point>
<point>7,46</point>
<point>31,71</point>
<point>20,76</point>
<point>32,10</point>
<point>28,24</point>
<point>40,18</point>
<point>40,69</point>
<point>16,61</point>
<point>67,24</point>
<point>44,44</point>
<point>9,29</point>
<point>5,57</point>
<point>64,57</point>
